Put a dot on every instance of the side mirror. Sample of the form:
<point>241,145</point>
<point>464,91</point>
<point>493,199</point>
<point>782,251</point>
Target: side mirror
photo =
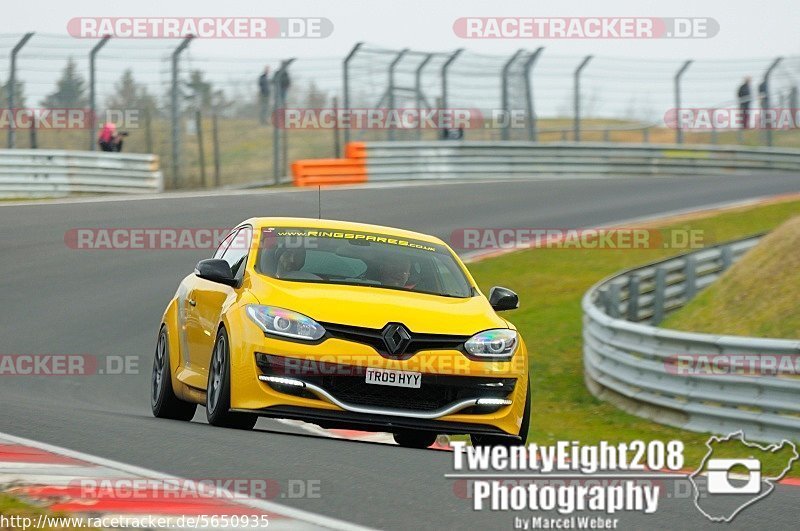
<point>215,270</point>
<point>503,299</point>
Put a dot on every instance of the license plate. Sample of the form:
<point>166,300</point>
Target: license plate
<point>393,378</point>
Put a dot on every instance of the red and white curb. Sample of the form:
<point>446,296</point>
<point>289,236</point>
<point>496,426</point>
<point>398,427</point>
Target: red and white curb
<point>53,477</point>
<point>442,441</point>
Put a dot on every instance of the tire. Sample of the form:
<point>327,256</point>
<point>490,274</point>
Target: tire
<point>218,392</point>
<point>500,440</point>
<point>414,439</point>
<point>163,402</point>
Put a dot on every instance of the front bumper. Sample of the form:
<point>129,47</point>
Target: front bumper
<point>317,383</point>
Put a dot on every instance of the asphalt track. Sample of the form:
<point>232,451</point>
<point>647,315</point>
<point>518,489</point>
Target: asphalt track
<point>60,300</point>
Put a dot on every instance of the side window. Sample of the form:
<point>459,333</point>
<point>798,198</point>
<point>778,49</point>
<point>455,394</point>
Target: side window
<point>224,245</point>
<point>236,253</point>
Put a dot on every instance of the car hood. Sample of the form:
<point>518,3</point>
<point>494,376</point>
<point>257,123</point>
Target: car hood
<point>373,307</point>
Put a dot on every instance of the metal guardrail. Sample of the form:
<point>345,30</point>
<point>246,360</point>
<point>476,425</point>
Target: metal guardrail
<point>634,365</point>
<point>50,173</point>
<point>476,160</point>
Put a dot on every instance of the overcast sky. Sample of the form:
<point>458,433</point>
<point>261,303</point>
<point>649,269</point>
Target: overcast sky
<point>747,29</point>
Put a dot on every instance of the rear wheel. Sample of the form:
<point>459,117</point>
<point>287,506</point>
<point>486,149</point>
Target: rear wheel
<point>414,439</point>
<point>163,402</point>
<point>218,392</point>
<point>499,440</point>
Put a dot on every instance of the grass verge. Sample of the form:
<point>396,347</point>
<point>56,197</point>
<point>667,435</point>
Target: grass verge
<point>551,282</point>
<point>22,515</point>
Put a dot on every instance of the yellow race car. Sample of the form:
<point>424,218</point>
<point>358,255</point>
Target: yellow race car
<point>342,325</point>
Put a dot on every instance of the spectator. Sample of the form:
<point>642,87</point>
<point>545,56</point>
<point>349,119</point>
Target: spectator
<point>110,139</point>
<point>263,99</point>
<point>744,101</point>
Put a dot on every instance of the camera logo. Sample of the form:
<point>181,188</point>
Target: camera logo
<point>736,473</point>
<point>718,471</point>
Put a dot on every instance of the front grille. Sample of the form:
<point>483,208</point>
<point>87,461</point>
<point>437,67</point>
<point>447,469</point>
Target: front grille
<point>346,383</point>
<point>374,338</point>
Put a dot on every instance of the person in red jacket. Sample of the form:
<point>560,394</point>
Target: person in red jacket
<point>110,139</point>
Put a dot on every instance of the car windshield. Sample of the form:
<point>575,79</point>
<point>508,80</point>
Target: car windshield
<point>334,256</point>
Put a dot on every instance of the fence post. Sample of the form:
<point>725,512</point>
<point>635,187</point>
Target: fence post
<point>767,74</point>
<point>12,88</point>
<point>346,85</point>
<point>504,132</point>
<point>92,92</point>
<point>445,68</point>
<point>577,96</point>
<point>148,130</point>
<point>201,152</point>
<point>336,146</point>
<point>529,103</point>
<point>176,113</point>
<point>678,76</point>
<point>277,164</point>
<point>215,140</point>
<point>418,91</point>
<point>390,89</point>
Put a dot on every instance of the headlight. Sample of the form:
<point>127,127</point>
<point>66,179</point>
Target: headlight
<point>493,344</point>
<point>285,323</point>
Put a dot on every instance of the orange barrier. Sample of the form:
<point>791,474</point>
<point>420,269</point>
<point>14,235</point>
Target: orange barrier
<point>349,170</point>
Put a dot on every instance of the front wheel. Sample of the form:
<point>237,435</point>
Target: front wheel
<point>218,391</point>
<point>499,440</point>
<point>163,402</point>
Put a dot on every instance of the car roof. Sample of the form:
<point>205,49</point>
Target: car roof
<point>314,223</point>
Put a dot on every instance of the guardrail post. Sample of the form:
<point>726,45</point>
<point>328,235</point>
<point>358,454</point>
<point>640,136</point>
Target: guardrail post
<point>690,274</point>
<point>529,103</point>
<point>633,298</point>
<point>392,66</point>
<point>12,89</point>
<point>727,257</point>
<point>659,294</point>
<point>577,96</point>
<point>613,300</point>
<point>766,105</point>
<point>678,76</point>
<point>504,133</point>
<point>346,85</point>
<point>92,91</point>
<point>418,91</point>
<point>445,67</point>
<point>277,141</point>
<point>176,113</point>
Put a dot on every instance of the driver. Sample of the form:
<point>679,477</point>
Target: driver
<point>395,273</point>
<point>290,260</point>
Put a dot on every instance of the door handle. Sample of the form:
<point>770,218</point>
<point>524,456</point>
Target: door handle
<point>192,302</point>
